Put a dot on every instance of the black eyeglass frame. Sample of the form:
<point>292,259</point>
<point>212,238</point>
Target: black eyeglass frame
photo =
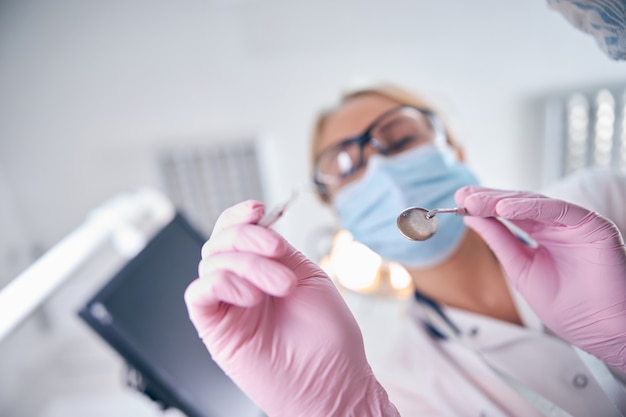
<point>366,138</point>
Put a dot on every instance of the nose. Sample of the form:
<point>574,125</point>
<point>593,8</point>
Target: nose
<point>369,150</point>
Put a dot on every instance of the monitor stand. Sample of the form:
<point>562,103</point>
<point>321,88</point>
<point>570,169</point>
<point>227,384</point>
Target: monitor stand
<point>135,380</point>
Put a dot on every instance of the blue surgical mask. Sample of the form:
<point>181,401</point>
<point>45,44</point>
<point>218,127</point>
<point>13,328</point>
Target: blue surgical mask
<point>426,176</point>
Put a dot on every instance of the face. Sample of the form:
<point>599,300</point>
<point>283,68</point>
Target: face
<point>357,115</point>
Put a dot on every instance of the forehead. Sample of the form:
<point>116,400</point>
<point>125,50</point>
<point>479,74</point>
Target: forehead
<point>353,117</point>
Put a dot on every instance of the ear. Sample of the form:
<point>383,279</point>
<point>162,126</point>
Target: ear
<point>454,145</point>
<point>458,150</point>
<point>460,153</point>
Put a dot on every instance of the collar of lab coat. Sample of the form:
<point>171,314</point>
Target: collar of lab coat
<point>484,332</point>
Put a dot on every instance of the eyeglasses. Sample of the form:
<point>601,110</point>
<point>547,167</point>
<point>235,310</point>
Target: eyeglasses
<point>391,133</point>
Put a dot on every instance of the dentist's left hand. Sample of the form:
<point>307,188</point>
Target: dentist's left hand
<point>575,280</point>
<point>276,324</point>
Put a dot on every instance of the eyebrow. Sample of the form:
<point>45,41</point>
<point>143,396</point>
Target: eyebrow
<point>372,124</point>
<point>369,128</point>
<point>390,124</point>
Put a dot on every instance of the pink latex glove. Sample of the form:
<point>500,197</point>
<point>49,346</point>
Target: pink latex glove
<point>575,281</point>
<point>276,324</point>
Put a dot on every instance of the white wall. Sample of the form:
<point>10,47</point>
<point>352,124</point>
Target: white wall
<point>90,91</point>
<point>15,246</point>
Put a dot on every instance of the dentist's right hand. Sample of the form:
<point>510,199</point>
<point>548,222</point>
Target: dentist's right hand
<point>276,324</point>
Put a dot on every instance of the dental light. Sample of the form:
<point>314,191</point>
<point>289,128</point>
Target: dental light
<point>125,222</point>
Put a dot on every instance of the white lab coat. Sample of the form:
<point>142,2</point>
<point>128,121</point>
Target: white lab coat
<point>427,376</point>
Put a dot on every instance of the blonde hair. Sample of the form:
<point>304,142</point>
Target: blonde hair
<point>393,92</point>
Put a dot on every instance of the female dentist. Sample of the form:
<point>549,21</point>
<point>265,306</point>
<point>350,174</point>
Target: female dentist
<point>496,328</point>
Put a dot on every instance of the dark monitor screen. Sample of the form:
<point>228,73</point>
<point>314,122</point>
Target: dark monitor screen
<point>141,313</point>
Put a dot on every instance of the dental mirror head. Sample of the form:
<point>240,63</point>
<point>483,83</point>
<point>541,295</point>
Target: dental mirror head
<point>414,224</point>
<point>418,223</point>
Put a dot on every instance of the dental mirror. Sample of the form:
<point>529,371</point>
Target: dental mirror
<point>418,223</point>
